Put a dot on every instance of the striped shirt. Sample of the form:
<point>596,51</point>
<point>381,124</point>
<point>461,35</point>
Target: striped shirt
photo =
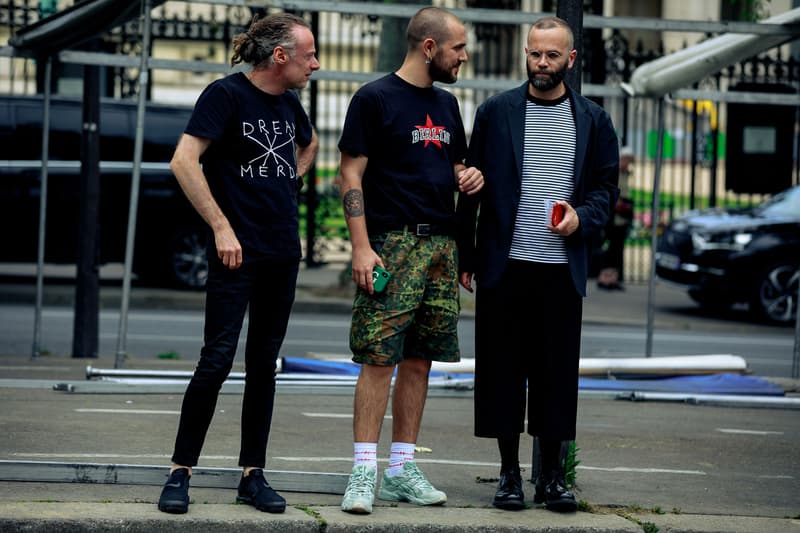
<point>547,175</point>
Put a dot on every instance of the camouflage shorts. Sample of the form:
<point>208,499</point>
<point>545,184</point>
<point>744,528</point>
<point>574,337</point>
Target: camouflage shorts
<point>416,315</point>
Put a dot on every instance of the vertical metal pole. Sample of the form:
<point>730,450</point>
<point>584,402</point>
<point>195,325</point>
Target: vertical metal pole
<point>37,320</point>
<point>693,176</point>
<point>86,337</point>
<point>312,198</point>
<point>796,358</point>
<point>144,77</point>
<point>712,194</point>
<point>571,11</point>
<point>651,292</point>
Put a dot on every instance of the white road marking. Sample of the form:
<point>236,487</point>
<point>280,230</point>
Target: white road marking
<point>115,456</point>
<point>748,431</point>
<point>350,460</point>
<point>336,415</point>
<point>149,337</point>
<point>197,317</point>
<point>34,368</point>
<point>643,470</point>
<point>753,340</point>
<point>129,411</point>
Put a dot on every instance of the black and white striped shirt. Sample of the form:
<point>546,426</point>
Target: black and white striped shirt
<point>547,175</point>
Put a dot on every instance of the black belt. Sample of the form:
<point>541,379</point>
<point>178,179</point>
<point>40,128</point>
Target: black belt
<point>420,230</point>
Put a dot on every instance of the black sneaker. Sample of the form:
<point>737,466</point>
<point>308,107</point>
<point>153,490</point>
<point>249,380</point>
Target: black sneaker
<point>553,492</point>
<point>254,490</point>
<point>509,493</point>
<point>175,494</point>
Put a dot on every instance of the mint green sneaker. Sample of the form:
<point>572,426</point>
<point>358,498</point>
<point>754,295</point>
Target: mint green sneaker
<point>360,492</point>
<point>410,486</point>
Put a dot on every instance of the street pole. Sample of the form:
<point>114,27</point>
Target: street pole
<point>36,349</point>
<point>85,336</point>
<point>571,11</point>
<point>796,359</point>
<point>144,77</point>
<point>651,288</point>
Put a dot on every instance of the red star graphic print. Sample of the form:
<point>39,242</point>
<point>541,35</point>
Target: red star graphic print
<point>435,132</point>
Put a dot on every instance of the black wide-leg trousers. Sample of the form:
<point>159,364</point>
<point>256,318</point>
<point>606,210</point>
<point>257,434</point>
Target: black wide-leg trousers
<point>527,339</point>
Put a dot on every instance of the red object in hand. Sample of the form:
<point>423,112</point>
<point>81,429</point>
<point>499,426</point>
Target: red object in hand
<point>557,214</point>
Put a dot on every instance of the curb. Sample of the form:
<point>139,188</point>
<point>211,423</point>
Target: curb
<point>144,517</point>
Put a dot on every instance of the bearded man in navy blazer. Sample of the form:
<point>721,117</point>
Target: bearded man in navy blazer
<point>540,145</point>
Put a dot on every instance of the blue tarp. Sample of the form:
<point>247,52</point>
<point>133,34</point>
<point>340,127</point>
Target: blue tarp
<point>725,383</point>
<point>705,384</point>
<point>341,368</point>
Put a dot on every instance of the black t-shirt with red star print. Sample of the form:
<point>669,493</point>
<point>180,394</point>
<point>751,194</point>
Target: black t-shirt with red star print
<point>251,165</point>
<point>412,137</point>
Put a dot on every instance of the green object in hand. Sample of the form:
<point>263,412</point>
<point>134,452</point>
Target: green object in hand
<point>379,278</point>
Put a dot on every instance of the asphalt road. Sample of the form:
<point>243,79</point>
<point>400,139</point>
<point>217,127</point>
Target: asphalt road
<point>179,333</point>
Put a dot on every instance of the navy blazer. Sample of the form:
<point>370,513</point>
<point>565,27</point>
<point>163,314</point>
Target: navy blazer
<point>496,148</point>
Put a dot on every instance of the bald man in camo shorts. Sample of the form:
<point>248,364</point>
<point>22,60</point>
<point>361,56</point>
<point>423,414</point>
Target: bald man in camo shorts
<point>402,152</point>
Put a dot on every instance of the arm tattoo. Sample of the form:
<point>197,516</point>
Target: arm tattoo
<point>353,202</point>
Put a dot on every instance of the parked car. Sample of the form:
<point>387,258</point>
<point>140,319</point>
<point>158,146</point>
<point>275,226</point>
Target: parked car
<point>725,256</point>
<point>170,236</point>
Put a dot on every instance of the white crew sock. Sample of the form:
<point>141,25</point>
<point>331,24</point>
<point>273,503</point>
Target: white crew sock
<point>401,453</point>
<point>365,453</point>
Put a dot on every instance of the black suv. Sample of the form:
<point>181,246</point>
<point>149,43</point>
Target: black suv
<point>170,236</point>
<point>725,256</point>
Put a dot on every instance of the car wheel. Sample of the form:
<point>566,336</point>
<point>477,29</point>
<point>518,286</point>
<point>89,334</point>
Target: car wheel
<point>775,296</point>
<point>188,261</point>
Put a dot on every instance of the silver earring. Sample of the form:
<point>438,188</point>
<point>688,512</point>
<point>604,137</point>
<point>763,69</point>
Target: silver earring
<point>428,61</point>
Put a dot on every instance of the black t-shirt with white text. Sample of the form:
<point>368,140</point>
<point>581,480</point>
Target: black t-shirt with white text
<point>251,165</point>
<point>411,137</point>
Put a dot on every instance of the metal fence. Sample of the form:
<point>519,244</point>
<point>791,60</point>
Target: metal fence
<point>358,41</point>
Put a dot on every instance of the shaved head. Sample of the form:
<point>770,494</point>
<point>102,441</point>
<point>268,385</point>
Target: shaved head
<point>430,23</point>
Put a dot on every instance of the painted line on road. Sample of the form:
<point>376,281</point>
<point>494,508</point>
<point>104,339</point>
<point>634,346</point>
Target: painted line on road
<point>128,411</point>
<point>115,456</point>
<point>748,431</point>
<point>196,317</point>
<point>643,470</point>
<point>484,463</point>
<point>336,415</point>
<point>199,339</point>
<point>35,368</point>
<point>697,338</point>
<point>349,459</point>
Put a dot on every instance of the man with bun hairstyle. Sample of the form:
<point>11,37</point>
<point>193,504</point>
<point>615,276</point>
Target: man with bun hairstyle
<point>254,142</point>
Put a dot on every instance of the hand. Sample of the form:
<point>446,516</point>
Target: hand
<point>364,260</point>
<point>470,180</point>
<point>569,223</point>
<point>465,279</point>
<point>228,248</point>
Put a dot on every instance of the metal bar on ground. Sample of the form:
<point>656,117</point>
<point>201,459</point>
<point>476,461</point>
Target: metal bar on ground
<point>723,400</point>
<point>126,474</point>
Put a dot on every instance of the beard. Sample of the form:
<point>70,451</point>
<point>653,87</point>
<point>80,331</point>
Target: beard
<point>551,82</point>
<point>440,72</point>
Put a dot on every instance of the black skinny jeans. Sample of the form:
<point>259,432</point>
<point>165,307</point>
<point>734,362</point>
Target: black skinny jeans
<point>268,288</point>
